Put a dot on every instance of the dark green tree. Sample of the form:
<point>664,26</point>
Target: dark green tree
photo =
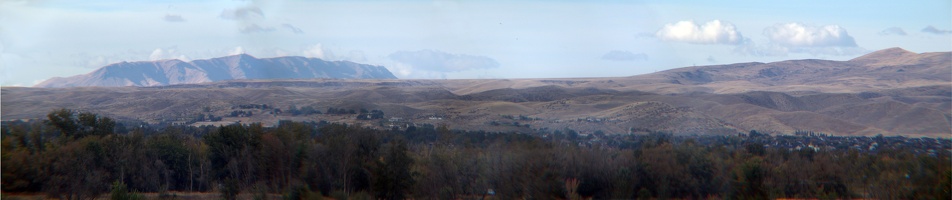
<point>393,178</point>
<point>63,121</point>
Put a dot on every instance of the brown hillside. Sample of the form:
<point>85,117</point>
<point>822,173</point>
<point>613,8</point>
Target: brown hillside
<point>890,92</point>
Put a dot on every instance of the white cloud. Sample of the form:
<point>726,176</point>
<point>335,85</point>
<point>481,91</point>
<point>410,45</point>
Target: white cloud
<point>799,38</point>
<point>173,18</point>
<point>712,32</point>
<point>157,54</point>
<point>800,35</point>
<point>318,51</point>
<point>933,30</point>
<point>160,54</point>
<point>617,55</point>
<point>237,50</point>
<point>893,31</point>
<point>438,61</point>
<point>98,61</point>
<point>325,53</point>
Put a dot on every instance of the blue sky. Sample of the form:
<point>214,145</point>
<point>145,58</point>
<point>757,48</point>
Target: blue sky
<point>461,39</point>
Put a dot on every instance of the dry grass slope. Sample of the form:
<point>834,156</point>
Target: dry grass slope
<point>890,92</point>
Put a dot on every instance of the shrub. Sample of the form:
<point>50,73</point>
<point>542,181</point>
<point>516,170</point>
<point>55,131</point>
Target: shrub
<point>120,192</point>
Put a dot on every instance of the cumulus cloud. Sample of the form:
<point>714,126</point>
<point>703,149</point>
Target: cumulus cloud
<point>893,31</point>
<point>292,28</point>
<point>439,61</point>
<point>236,51</point>
<point>800,35</point>
<point>255,28</point>
<point>173,18</point>
<point>712,32</point>
<point>617,55</point>
<point>799,38</point>
<point>242,13</point>
<point>98,61</point>
<point>157,54</point>
<point>933,30</point>
<point>318,51</point>
<point>163,54</point>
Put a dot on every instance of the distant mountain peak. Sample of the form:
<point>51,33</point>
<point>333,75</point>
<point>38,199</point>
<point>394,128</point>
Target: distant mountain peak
<point>240,66</point>
<point>885,54</point>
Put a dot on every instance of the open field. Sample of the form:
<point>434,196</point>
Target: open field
<point>889,92</point>
<point>550,103</point>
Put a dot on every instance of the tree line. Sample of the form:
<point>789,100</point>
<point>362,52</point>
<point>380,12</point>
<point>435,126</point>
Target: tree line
<point>80,156</point>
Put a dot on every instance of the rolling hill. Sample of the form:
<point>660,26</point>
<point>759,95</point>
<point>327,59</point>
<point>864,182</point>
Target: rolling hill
<point>889,92</point>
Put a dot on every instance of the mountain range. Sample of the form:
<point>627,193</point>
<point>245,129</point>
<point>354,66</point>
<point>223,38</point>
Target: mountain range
<point>889,92</point>
<point>242,66</point>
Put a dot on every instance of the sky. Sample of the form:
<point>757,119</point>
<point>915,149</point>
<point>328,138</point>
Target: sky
<point>461,39</point>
